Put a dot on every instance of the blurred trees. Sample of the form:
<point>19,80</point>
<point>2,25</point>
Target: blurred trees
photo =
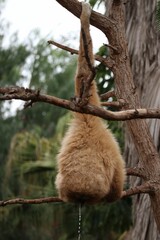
<point>30,140</point>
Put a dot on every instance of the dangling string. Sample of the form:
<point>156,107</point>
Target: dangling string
<point>79,221</point>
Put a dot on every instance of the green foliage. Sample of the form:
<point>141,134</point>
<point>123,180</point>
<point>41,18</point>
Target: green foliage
<point>30,172</point>
<point>12,59</point>
<point>105,82</point>
<point>27,222</point>
<point>52,71</point>
<point>104,76</point>
<point>115,217</point>
<point>30,161</point>
<point>99,222</point>
<point>94,2</point>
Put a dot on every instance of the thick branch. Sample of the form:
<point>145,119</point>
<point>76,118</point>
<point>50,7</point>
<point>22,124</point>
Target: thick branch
<point>145,188</point>
<point>98,20</point>
<point>32,96</point>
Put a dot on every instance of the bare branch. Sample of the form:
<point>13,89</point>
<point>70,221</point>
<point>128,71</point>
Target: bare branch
<point>118,104</point>
<point>26,94</point>
<point>106,61</point>
<point>111,104</point>
<point>98,20</point>
<point>138,172</point>
<point>68,49</point>
<point>107,95</point>
<point>145,188</point>
<point>111,47</point>
<point>30,201</point>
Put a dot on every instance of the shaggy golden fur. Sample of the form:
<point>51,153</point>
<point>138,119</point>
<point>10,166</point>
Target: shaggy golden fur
<point>90,166</point>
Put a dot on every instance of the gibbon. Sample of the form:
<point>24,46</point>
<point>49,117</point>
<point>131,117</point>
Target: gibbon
<point>90,165</point>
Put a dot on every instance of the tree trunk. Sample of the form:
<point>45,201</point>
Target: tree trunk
<point>144,60</point>
<point>144,45</point>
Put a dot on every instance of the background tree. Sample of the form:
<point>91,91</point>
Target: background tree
<point>12,60</point>
<point>144,44</point>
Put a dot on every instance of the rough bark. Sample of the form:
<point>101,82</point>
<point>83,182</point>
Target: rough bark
<point>143,48</point>
<point>144,44</point>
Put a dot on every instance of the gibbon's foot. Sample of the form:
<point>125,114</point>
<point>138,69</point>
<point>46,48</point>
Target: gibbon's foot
<point>80,102</point>
<point>75,100</point>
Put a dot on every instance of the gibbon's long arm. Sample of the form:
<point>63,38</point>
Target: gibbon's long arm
<point>90,165</point>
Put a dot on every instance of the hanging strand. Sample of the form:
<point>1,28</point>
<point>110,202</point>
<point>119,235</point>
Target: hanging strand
<point>79,221</point>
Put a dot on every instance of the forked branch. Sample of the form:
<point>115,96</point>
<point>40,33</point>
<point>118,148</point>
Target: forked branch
<point>138,172</point>
<point>33,96</point>
<point>144,188</point>
<point>107,61</point>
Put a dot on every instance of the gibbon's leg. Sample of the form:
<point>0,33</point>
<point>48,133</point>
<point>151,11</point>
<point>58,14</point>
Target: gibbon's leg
<point>85,68</point>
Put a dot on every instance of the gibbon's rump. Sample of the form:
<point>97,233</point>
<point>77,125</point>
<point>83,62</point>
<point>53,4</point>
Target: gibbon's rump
<point>90,165</point>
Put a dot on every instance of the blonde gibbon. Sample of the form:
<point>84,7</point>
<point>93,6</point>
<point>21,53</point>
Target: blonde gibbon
<point>90,165</point>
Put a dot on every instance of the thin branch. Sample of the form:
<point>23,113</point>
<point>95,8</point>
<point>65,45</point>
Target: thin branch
<point>30,201</point>
<point>138,172</point>
<point>26,94</point>
<point>111,47</point>
<point>118,104</point>
<point>106,61</point>
<point>111,104</point>
<point>145,188</point>
<point>107,95</point>
<point>68,49</point>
